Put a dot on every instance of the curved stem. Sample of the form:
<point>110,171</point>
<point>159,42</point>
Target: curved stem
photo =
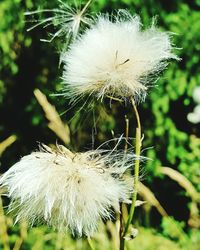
<point>136,168</point>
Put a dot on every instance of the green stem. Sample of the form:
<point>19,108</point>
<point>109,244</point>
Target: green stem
<point>136,168</point>
<point>121,229</point>
<point>90,243</point>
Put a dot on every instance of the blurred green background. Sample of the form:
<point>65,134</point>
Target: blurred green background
<point>170,140</point>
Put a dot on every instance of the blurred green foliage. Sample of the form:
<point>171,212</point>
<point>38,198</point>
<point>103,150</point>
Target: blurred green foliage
<point>27,63</point>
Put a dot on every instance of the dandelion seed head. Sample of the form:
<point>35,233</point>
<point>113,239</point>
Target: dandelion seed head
<point>115,57</point>
<point>66,19</point>
<point>68,190</point>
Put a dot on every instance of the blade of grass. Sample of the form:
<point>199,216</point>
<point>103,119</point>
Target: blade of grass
<point>55,123</point>
<point>148,195</point>
<point>182,181</point>
<point>6,143</point>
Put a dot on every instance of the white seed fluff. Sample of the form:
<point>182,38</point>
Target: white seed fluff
<point>68,190</point>
<point>116,58</point>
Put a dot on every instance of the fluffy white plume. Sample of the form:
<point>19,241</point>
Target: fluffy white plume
<point>116,58</point>
<point>68,190</point>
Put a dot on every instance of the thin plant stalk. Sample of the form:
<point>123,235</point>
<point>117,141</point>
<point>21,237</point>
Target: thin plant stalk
<point>90,243</point>
<point>121,228</point>
<point>126,134</point>
<point>3,229</point>
<point>136,167</point>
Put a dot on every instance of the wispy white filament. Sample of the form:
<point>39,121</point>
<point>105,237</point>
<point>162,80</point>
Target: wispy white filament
<point>115,57</point>
<point>68,190</point>
<point>66,19</point>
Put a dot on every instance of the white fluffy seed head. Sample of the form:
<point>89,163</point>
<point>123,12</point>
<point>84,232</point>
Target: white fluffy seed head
<point>68,190</point>
<point>115,58</point>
